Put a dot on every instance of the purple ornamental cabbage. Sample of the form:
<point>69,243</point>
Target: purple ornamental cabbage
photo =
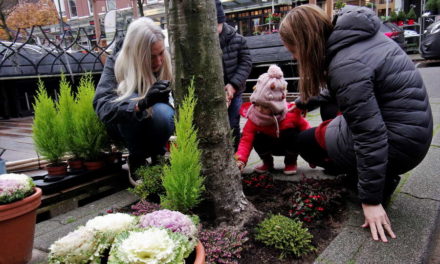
<point>173,220</point>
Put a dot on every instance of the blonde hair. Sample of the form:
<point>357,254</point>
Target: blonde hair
<point>133,69</point>
<point>307,28</point>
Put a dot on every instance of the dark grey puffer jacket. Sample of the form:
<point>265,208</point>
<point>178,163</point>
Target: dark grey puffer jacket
<point>237,62</point>
<point>386,126</point>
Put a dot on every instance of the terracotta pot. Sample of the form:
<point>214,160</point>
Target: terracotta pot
<point>17,226</point>
<point>93,165</point>
<point>76,164</point>
<point>56,169</point>
<point>200,254</point>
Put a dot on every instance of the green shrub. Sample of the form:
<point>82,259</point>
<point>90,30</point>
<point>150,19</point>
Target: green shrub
<point>393,16</point>
<point>182,180</point>
<point>411,14</point>
<point>431,5</point>
<point>339,4</point>
<point>401,16</point>
<point>151,181</point>
<point>46,128</point>
<point>91,134</point>
<point>285,234</point>
<point>65,106</point>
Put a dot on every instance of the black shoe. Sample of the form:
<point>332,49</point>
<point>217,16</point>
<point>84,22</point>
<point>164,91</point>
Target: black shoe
<point>134,163</point>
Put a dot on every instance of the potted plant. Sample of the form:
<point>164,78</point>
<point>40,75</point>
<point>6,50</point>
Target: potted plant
<point>91,134</point>
<point>411,16</point>
<point>161,237</point>
<point>339,5</point>
<point>65,107</point>
<point>47,134</point>
<point>393,17</point>
<point>433,6</point>
<point>19,200</point>
<point>401,16</point>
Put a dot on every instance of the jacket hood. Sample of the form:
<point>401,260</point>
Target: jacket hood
<point>352,24</point>
<point>227,34</point>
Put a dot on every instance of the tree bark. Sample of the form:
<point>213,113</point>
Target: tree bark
<point>192,26</point>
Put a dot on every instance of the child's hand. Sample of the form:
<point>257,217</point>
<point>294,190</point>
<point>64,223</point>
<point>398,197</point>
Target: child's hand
<point>240,165</point>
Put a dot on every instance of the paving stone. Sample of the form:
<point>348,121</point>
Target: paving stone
<point>49,231</point>
<point>413,221</point>
<point>424,181</point>
<point>38,257</point>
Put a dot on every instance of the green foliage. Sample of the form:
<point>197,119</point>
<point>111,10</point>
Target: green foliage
<point>151,181</point>
<point>182,180</point>
<point>46,128</point>
<point>285,234</point>
<point>432,5</point>
<point>411,14</point>
<point>339,4</point>
<point>393,16</point>
<point>370,5</point>
<point>91,134</point>
<point>401,16</point>
<point>65,106</point>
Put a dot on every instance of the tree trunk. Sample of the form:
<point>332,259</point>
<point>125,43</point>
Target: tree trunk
<point>192,26</point>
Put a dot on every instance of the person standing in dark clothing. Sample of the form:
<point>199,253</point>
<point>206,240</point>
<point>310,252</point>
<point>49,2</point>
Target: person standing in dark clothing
<point>383,126</point>
<point>237,65</point>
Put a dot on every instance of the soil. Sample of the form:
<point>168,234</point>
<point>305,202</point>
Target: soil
<point>275,200</point>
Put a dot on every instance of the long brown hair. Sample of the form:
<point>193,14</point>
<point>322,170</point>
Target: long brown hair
<point>307,28</point>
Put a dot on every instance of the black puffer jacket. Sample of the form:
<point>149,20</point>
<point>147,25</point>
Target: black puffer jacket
<point>237,62</point>
<point>387,121</point>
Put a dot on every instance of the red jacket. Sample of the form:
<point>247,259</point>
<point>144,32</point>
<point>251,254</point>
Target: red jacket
<point>293,120</point>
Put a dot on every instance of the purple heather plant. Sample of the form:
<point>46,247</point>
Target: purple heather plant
<point>144,207</point>
<point>173,220</point>
<point>223,245</point>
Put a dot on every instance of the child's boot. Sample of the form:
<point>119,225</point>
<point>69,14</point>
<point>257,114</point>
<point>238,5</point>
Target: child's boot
<point>266,166</point>
<point>290,164</point>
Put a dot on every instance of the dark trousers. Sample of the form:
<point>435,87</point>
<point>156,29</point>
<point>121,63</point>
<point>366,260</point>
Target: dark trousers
<point>311,151</point>
<point>146,138</point>
<point>285,145</point>
<point>234,119</point>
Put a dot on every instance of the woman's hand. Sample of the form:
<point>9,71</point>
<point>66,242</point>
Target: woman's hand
<point>376,218</point>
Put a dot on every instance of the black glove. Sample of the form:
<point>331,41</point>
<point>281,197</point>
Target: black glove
<point>158,93</point>
<point>313,103</point>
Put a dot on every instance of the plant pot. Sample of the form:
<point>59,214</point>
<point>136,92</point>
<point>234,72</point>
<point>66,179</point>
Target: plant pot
<point>400,23</point>
<point>59,169</point>
<point>75,164</point>
<point>410,21</point>
<point>198,256</point>
<point>17,226</point>
<point>93,165</point>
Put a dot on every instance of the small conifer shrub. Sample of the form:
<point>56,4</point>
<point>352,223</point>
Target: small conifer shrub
<point>46,129</point>
<point>285,234</point>
<point>65,107</point>
<point>91,135</point>
<point>182,180</point>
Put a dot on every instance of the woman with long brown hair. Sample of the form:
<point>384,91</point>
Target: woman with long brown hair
<point>384,125</point>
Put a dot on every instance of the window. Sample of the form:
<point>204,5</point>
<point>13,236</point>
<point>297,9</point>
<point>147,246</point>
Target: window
<point>72,8</point>
<point>111,5</point>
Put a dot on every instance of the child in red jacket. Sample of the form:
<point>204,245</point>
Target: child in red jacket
<point>271,127</point>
